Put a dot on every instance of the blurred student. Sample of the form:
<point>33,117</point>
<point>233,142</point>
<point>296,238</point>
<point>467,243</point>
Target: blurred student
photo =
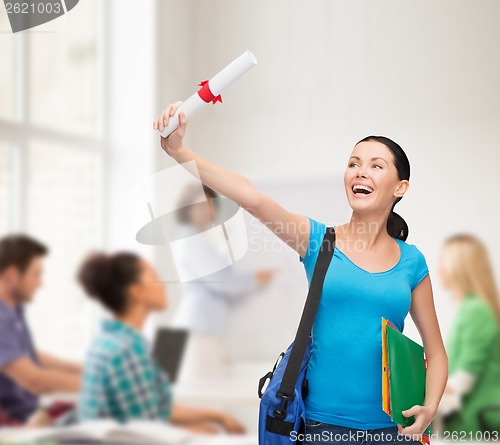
<point>121,380</point>
<point>473,343</point>
<point>205,303</point>
<point>25,373</point>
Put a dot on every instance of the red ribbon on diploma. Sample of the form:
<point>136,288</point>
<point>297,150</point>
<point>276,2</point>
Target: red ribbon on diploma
<point>207,95</point>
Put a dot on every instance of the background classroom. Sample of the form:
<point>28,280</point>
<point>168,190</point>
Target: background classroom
<point>79,95</point>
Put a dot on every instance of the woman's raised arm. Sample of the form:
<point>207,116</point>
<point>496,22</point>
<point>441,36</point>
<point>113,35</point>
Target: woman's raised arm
<point>292,228</point>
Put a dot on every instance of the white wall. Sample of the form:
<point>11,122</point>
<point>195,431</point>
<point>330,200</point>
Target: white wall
<point>329,73</point>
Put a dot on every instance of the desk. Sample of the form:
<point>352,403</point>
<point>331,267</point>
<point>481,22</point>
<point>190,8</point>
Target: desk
<point>235,396</point>
<point>217,391</point>
<point>14,436</point>
<point>201,391</point>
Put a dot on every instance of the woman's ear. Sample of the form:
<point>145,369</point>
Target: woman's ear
<point>402,188</point>
<point>135,294</point>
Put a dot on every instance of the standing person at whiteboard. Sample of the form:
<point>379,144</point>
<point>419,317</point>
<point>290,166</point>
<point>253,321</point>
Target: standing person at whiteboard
<point>374,273</point>
<point>204,307</point>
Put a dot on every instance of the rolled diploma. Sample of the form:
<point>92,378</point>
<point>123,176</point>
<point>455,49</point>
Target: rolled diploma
<point>216,84</point>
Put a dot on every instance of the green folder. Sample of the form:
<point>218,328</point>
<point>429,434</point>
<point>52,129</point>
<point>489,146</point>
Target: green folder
<point>403,372</point>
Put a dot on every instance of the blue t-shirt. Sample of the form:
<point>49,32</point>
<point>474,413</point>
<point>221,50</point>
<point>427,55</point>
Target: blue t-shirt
<point>344,372</point>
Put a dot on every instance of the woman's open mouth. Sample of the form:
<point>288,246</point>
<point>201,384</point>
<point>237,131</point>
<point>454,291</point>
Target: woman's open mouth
<point>361,190</point>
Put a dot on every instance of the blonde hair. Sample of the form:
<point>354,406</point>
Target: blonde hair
<point>467,263</point>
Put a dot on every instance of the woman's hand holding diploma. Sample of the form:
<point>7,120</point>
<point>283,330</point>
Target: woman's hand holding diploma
<point>230,184</point>
<point>290,227</point>
<point>173,143</point>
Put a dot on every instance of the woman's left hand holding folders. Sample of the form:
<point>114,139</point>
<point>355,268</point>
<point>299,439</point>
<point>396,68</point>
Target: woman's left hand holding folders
<point>423,417</point>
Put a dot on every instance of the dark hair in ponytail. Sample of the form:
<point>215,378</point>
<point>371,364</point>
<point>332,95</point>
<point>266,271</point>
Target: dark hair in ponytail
<point>107,277</point>
<point>396,225</point>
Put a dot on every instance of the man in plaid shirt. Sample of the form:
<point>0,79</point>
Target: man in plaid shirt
<point>121,380</point>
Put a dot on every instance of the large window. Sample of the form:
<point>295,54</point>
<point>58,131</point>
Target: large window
<point>6,71</point>
<point>51,156</point>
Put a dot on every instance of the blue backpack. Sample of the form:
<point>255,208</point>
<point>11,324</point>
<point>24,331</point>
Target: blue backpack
<point>281,409</point>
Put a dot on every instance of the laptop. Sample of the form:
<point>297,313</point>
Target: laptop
<point>168,350</point>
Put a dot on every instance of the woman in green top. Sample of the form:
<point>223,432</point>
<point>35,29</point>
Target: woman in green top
<point>473,343</point>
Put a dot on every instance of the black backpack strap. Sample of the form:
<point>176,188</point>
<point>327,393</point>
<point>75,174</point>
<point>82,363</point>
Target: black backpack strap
<point>286,390</point>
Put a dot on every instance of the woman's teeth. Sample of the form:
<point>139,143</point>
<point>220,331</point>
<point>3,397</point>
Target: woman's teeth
<point>362,189</point>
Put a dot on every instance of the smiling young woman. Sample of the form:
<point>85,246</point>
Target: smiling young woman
<point>374,273</point>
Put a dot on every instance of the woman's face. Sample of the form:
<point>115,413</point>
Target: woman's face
<point>150,289</point>
<point>371,180</point>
